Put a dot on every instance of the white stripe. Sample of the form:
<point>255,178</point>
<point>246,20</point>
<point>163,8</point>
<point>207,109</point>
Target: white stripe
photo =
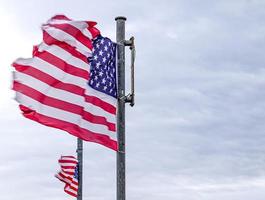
<point>71,190</point>
<point>63,95</point>
<point>74,185</point>
<point>63,115</point>
<point>59,177</point>
<point>64,55</point>
<point>69,160</point>
<point>65,37</point>
<point>48,90</point>
<point>98,111</point>
<point>69,171</point>
<point>63,165</point>
<point>67,164</point>
<point>62,178</point>
<point>66,158</point>
<point>52,71</point>
<point>72,171</point>
<point>81,25</point>
<point>107,98</point>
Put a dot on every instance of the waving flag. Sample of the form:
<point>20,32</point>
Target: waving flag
<point>69,174</point>
<point>70,82</point>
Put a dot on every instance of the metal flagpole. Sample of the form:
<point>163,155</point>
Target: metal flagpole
<point>80,168</point>
<point>120,38</point>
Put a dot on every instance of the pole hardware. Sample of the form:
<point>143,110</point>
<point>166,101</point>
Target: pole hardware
<point>130,97</point>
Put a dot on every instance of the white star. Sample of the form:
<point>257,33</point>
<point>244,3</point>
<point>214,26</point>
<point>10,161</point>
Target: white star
<point>100,73</point>
<point>101,41</point>
<point>96,77</point>
<point>97,65</point>
<point>100,53</point>
<point>103,81</point>
<point>91,82</point>
<point>96,57</point>
<point>97,45</point>
<point>108,55</point>
<point>97,85</point>
<point>109,43</point>
<point>105,48</point>
<point>110,83</point>
<point>104,59</point>
<point>105,87</point>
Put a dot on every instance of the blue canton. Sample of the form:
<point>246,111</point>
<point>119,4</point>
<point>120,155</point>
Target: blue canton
<point>76,172</point>
<point>103,66</point>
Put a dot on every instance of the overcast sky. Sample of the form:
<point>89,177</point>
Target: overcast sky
<point>197,131</point>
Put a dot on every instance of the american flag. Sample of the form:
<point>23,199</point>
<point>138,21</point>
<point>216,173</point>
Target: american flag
<point>69,174</point>
<point>70,82</point>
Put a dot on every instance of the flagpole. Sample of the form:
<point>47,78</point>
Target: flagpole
<point>80,168</point>
<point>120,38</point>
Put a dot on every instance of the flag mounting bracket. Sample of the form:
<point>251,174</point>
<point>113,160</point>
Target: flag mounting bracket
<point>130,97</point>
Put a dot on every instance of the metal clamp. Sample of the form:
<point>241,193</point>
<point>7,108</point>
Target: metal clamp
<point>130,97</point>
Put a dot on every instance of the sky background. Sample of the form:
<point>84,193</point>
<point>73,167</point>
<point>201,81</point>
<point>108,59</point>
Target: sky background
<point>197,131</point>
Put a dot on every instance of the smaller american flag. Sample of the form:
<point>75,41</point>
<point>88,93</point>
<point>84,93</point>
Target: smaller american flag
<point>69,174</point>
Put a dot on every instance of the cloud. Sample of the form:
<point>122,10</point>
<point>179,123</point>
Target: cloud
<point>196,131</point>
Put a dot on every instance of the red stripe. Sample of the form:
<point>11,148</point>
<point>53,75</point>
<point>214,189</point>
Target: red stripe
<point>75,32</point>
<point>46,100</point>
<point>74,182</point>
<point>98,120</point>
<point>71,188</point>
<point>93,30</point>
<point>46,78</point>
<point>64,178</point>
<point>70,193</point>
<point>74,187</point>
<point>68,167</point>
<point>61,64</point>
<point>69,173</point>
<point>67,161</point>
<point>102,104</point>
<point>70,128</point>
<point>63,105</point>
<point>64,86</point>
<point>61,17</point>
<point>48,39</point>
<point>60,178</point>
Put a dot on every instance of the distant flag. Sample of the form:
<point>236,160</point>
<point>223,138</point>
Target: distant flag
<point>70,82</point>
<point>69,174</point>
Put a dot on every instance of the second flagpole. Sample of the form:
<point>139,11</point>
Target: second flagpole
<point>80,168</point>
